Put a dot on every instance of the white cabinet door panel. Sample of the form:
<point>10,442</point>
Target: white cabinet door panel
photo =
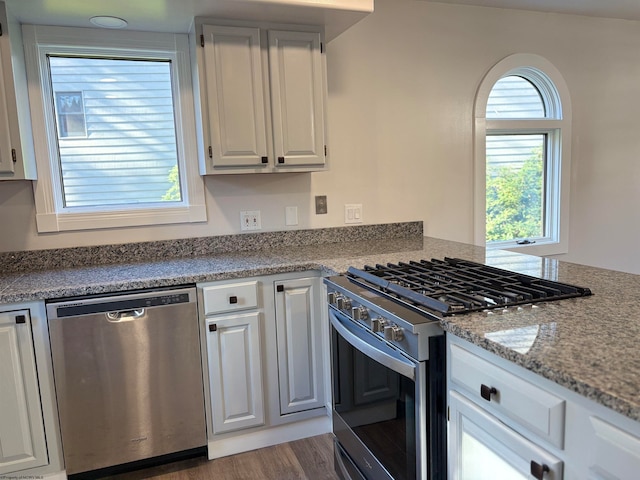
<point>22,439</point>
<point>483,448</point>
<point>299,340</point>
<point>235,372</point>
<point>615,453</point>
<point>295,68</point>
<point>236,99</point>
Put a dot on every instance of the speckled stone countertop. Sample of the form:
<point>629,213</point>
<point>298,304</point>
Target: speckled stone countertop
<point>588,345</point>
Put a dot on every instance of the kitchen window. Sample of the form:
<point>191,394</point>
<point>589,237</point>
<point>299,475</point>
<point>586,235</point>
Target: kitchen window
<point>522,156</point>
<point>116,112</point>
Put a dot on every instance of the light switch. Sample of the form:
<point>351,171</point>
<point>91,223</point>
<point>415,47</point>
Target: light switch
<point>353,213</point>
<point>291,216</point>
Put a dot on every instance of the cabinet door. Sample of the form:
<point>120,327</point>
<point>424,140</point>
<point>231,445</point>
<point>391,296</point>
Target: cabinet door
<point>483,448</point>
<point>297,98</point>
<point>299,339</point>
<point>22,440</point>
<point>235,96</point>
<point>6,161</point>
<point>235,368</point>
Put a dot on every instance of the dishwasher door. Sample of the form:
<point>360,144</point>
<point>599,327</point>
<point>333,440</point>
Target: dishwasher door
<point>128,377</point>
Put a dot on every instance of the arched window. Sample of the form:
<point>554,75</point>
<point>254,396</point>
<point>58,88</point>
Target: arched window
<point>522,156</point>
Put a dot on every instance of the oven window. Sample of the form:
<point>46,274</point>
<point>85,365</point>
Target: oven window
<point>378,404</point>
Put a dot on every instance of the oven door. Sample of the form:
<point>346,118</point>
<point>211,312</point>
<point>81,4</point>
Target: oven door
<point>384,406</point>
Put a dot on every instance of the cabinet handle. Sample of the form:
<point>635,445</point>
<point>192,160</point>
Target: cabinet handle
<point>280,159</point>
<point>213,327</point>
<point>280,288</point>
<point>538,471</point>
<point>233,299</point>
<point>486,392</point>
<point>21,319</point>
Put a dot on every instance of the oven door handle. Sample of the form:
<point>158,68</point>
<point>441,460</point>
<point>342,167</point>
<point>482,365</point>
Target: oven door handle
<point>391,359</point>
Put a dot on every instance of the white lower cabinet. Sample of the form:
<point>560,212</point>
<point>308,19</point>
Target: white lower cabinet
<point>506,422</point>
<point>29,438</point>
<point>235,371</point>
<point>613,452</point>
<point>298,329</point>
<point>266,350</point>
<point>22,439</point>
<point>483,448</point>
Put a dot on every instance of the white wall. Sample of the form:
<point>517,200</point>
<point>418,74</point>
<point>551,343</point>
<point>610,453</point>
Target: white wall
<point>401,89</point>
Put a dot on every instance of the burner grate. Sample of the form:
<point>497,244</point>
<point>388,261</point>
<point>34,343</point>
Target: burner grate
<point>454,285</point>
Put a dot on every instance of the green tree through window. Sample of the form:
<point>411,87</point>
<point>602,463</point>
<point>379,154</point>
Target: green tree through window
<point>515,199</point>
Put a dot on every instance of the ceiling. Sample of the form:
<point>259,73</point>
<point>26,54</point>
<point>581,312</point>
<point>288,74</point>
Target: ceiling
<point>177,15</point>
<point>622,9</point>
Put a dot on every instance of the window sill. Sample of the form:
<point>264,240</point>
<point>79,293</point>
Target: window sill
<point>540,248</point>
<point>60,222</point>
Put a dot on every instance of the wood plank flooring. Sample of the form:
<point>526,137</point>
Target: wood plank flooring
<point>307,459</point>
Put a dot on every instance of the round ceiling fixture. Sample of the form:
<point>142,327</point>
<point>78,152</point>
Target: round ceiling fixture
<point>108,22</point>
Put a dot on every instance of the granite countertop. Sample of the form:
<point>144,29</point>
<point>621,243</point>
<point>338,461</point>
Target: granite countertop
<point>587,344</point>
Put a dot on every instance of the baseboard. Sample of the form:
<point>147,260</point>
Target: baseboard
<point>267,437</point>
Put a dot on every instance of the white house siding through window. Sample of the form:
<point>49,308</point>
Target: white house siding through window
<point>116,131</point>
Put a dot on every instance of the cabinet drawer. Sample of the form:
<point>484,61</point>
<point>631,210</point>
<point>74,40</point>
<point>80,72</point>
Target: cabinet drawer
<point>230,297</point>
<point>506,393</point>
<point>614,453</point>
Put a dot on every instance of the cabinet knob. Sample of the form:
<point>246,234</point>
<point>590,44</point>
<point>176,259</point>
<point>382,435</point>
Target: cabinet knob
<point>280,288</point>
<point>486,392</point>
<point>213,327</point>
<point>265,160</point>
<point>538,471</point>
<point>233,299</point>
<point>21,319</point>
<point>280,159</point>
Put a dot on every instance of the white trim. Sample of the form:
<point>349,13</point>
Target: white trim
<point>544,76</point>
<point>267,437</point>
<point>52,216</point>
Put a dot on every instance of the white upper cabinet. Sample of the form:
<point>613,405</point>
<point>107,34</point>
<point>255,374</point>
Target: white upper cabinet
<point>262,99</point>
<point>17,158</point>
<point>297,96</point>
<point>235,100</point>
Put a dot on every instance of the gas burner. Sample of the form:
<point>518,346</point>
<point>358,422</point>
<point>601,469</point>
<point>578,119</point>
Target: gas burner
<point>453,286</point>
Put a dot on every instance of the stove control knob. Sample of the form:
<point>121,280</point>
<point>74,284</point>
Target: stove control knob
<point>393,332</point>
<point>377,324</point>
<point>343,303</point>
<point>331,298</point>
<point>360,313</point>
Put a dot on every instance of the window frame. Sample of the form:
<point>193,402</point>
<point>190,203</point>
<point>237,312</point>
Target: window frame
<point>556,124</point>
<point>51,215</point>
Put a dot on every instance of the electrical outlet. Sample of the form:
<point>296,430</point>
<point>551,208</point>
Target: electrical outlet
<point>353,213</point>
<point>321,204</point>
<point>250,220</point>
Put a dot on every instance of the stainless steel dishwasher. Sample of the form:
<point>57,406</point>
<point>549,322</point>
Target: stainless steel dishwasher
<point>128,377</point>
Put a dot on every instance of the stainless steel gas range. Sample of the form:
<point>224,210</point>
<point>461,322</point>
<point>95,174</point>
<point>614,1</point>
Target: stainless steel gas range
<point>388,357</point>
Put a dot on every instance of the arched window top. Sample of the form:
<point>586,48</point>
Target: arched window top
<point>523,86</point>
<point>515,97</point>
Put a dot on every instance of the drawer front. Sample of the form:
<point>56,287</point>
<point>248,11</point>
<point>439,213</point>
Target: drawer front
<point>230,297</point>
<point>614,453</point>
<point>505,393</point>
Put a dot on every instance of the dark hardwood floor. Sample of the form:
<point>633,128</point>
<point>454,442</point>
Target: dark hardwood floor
<point>307,459</point>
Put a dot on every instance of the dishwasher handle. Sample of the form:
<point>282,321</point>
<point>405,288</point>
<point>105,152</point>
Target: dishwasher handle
<point>125,315</point>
